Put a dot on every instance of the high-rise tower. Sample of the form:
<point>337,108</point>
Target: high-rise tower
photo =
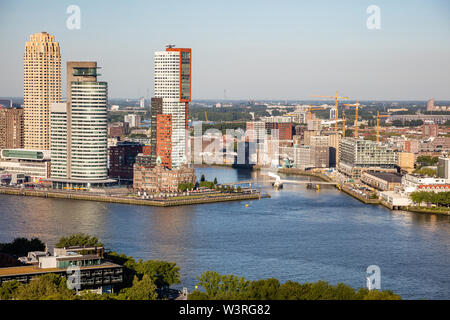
<point>42,86</point>
<point>79,128</point>
<point>173,85</point>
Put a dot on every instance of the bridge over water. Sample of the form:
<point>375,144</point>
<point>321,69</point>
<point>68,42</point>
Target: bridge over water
<point>282,181</point>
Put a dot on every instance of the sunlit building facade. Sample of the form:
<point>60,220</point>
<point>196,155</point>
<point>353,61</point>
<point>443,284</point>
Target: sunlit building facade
<point>42,86</point>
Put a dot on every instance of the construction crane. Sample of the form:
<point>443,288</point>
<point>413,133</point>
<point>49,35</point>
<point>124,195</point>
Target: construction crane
<point>336,98</point>
<point>357,105</point>
<point>206,117</point>
<point>343,123</point>
<point>378,124</point>
<point>315,108</point>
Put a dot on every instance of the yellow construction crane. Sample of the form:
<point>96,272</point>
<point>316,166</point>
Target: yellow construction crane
<point>378,124</point>
<point>343,123</point>
<point>336,98</point>
<point>206,117</point>
<point>357,106</point>
<point>315,108</point>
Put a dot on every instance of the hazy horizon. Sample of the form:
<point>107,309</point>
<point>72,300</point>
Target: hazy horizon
<point>257,50</point>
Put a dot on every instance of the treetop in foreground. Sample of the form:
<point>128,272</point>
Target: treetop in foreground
<point>231,287</point>
<point>78,239</point>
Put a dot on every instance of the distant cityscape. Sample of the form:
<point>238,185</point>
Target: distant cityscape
<point>145,150</point>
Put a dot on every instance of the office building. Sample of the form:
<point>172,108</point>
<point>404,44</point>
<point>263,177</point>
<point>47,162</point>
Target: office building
<point>79,130</point>
<point>358,155</point>
<point>443,169</point>
<point>314,124</point>
<point>160,134</point>
<point>11,128</point>
<point>255,131</point>
<point>133,120</point>
<point>320,156</point>
<point>406,161</point>
<point>302,157</point>
<point>121,160</point>
<point>430,130</point>
<point>42,86</point>
<point>33,164</point>
<point>173,85</point>
<point>279,130</point>
<point>118,129</point>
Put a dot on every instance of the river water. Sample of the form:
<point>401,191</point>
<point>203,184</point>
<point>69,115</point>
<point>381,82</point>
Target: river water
<point>297,234</point>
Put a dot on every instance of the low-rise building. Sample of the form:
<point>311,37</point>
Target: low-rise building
<point>413,183</point>
<point>118,129</point>
<point>96,274</point>
<point>396,199</point>
<point>160,178</point>
<point>384,181</point>
<point>34,164</point>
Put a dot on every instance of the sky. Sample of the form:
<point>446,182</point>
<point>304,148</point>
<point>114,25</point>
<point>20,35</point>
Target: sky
<point>252,49</point>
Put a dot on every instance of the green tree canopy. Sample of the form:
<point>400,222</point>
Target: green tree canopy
<point>78,239</point>
<point>163,273</point>
<point>46,287</point>
<point>143,289</point>
<point>218,287</point>
<point>8,289</point>
<point>21,246</point>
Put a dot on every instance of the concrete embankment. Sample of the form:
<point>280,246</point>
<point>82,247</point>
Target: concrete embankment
<point>361,198</point>
<point>133,201</point>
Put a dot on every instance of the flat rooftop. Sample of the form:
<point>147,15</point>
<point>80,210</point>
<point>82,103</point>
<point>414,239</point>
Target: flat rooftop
<point>387,176</point>
<point>34,269</point>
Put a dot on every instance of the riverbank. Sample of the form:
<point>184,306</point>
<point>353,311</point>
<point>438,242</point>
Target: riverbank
<point>442,211</point>
<point>365,200</point>
<point>133,201</point>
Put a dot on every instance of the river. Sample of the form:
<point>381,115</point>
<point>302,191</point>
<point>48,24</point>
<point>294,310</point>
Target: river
<point>297,234</point>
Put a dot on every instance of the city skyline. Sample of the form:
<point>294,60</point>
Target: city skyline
<point>324,47</point>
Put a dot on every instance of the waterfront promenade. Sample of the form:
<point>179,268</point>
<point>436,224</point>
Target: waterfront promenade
<point>364,198</point>
<point>133,200</point>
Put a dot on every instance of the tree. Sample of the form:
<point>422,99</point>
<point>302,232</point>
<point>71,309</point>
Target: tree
<point>266,289</point>
<point>163,274</point>
<point>45,287</point>
<point>143,289</point>
<point>216,286</point>
<point>21,246</point>
<point>215,181</point>
<point>207,184</point>
<point>422,161</point>
<point>219,286</point>
<point>292,290</point>
<point>426,172</point>
<point>8,289</point>
<point>202,178</point>
<point>78,239</point>
<point>349,133</point>
<point>185,186</point>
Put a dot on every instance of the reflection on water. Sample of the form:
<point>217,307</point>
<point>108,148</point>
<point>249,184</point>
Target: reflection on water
<point>297,234</point>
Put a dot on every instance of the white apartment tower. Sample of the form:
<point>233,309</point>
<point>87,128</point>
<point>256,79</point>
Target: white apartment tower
<point>79,137</point>
<point>173,85</point>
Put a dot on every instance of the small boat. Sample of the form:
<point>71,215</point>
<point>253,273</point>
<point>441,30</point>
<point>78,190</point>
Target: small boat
<point>277,185</point>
